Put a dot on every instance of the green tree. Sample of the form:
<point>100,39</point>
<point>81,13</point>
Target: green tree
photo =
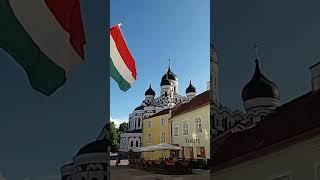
<point>114,137</point>
<point>123,127</point>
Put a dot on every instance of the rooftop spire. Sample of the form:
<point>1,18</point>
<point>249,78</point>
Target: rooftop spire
<point>256,51</point>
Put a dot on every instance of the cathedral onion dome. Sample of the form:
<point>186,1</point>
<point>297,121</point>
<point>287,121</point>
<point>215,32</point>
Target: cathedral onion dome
<point>260,87</point>
<point>165,81</point>
<point>170,75</point>
<point>139,108</point>
<point>150,92</point>
<point>191,88</point>
<point>99,146</point>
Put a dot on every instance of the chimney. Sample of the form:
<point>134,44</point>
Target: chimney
<point>315,76</point>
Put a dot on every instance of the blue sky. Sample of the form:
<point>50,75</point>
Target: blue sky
<point>156,31</point>
<point>38,134</point>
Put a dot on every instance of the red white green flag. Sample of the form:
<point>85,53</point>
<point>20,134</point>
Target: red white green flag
<point>122,64</point>
<point>45,37</point>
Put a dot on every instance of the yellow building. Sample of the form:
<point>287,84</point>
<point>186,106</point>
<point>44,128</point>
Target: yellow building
<point>156,130</point>
<point>283,146</point>
<point>191,127</point>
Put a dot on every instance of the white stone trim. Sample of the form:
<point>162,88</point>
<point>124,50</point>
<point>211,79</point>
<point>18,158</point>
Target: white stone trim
<point>263,101</point>
<point>90,158</point>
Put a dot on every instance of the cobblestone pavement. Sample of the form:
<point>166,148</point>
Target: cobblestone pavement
<point>124,172</point>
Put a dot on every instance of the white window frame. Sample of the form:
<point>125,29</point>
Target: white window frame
<point>163,120</point>
<point>195,125</point>
<point>317,171</point>
<point>161,137</point>
<point>149,124</point>
<point>183,123</point>
<point>286,173</point>
<point>174,129</point>
<point>149,138</point>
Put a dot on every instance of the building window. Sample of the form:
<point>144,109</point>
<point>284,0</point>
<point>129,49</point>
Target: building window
<point>163,137</point>
<point>213,126</point>
<point>176,130</point>
<point>139,121</point>
<point>200,152</point>
<point>137,144</point>
<point>198,124</point>
<point>131,145</point>
<point>149,138</point>
<point>149,124</point>
<point>185,128</point>
<point>163,121</point>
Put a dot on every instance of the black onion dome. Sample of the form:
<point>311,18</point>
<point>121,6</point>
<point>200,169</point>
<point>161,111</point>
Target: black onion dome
<point>165,81</point>
<point>190,88</point>
<point>139,108</point>
<point>260,86</point>
<point>150,91</point>
<point>171,76</point>
<point>99,146</point>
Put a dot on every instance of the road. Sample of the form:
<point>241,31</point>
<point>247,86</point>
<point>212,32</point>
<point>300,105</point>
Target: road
<point>125,172</point>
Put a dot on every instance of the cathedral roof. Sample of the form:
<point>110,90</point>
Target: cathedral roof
<point>197,102</point>
<point>291,123</point>
<point>165,80</point>
<point>169,75</point>
<point>190,88</point>
<point>259,86</point>
<point>99,146</point>
<point>150,91</point>
<point>139,108</point>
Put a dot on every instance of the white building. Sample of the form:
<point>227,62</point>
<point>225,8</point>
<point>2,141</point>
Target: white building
<point>90,163</point>
<point>168,98</point>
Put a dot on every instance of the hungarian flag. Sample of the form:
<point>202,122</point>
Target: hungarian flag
<point>46,37</point>
<point>122,64</point>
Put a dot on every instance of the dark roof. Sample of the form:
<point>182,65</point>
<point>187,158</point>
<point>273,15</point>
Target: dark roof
<point>99,146</point>
<point>290,123</point>
<point>165,80</point>
<point>150,91</point>
<point>190,88</point>
<point>135,131</point>
<point>169,75</point>
<point>69,164</point>
<point>260,86</point>
<point>139,108</point>
<point>197,102</point>
<point>165,111</point>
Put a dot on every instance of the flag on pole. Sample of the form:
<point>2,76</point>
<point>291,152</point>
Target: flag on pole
<point>45,37</point>
<point>122,64</point>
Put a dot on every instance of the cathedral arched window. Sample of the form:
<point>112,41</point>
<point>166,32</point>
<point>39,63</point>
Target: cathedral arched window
<point>131,144</point>
<point>139,122</point>
<point>137,144</point>
<point>213,124</point>
<point>165,94</point>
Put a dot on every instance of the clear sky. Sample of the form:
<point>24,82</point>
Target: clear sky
<point>287,33</point>
<point>156,31</point>
<point>38,134</point>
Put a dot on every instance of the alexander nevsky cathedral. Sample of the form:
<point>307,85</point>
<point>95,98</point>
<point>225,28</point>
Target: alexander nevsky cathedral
<point>168,98</point>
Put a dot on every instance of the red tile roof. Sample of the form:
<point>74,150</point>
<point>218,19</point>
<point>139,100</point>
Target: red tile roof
<point>197,102</point>
<point>165,111</point>
<point>290,123</point>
